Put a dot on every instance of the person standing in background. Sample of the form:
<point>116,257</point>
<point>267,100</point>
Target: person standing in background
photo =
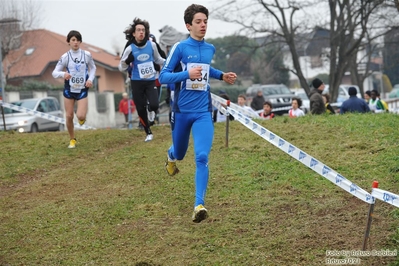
<point>354,104</point>
<point>375,104</point>
<point>257,101</point>
<point>267,110</point>
<point>124,106</point>
<point>317,106</point>
<point>78,70</point>
<point>295,111</point>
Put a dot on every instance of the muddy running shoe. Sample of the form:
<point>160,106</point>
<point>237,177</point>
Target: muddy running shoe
<point>199,214</point>
<point>72,144</point>
<point>171,168</point>
<point>81,122</point>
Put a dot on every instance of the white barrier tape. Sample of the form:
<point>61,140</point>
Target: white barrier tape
<point>386,196</point>
<point>218,101</point>
<point>41,115</point>
<point>298,154</point>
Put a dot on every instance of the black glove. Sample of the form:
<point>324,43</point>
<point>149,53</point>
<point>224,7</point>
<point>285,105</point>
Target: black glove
<point>167,100</point>
<point>129,59</point>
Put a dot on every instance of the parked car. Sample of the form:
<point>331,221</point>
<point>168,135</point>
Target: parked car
<point>23,122</point>
<point>278,94</point>
<point>301,93</point>
<point>343,93</point>
<point>394,93</point>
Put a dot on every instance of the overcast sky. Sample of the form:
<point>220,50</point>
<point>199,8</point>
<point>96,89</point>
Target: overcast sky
<point>102,23</point>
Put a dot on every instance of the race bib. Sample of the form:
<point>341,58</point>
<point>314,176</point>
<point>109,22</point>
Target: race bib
<point>146,70</point>
<point>201,83</point>
<point>77,81</point>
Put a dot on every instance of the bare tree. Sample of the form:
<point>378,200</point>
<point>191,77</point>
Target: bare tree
<point>354,26</point>
<point>348,23</point>
<point>16,17</point>
<point>279,19</point>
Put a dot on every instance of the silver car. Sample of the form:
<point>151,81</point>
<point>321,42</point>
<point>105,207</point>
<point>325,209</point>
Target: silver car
<point>23,122</point>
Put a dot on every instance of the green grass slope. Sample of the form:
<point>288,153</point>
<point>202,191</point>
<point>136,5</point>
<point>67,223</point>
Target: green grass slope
<point>110,201</point>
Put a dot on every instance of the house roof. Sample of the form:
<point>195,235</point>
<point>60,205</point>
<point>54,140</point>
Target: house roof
<point>40,48</point>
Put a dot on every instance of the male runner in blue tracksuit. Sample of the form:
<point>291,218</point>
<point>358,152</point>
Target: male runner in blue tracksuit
<point>192,108</point>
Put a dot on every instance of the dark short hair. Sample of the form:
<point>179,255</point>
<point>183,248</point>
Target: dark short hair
<point>225,96</point>
<point>74,33</point>
<point>268,103</point>
<point>375,92</point>
<point>192,10</point>
<point>242,96</point>
<point>298,100</point>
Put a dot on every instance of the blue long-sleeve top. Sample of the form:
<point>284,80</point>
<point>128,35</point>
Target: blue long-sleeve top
<point>190,95</point>
<point>354,104</point>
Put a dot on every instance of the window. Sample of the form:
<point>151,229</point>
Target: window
<point>51,105</point>
<point>43,106</point>
<point>29,51</point>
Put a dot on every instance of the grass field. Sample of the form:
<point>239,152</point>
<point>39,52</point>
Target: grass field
<point>110,201</point>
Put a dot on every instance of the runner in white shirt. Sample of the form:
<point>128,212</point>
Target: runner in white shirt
<point>295,111</point>
<point>241,100</point>
<point>78,70</point>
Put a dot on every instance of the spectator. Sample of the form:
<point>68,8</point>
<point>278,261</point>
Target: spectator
<point>295,111</point>
<point>257,101</point>
<point>218,116</point>
<point>367,96</point>
<point>267,110</point>
<point>124,106</point>
<point>375,104</point>
<point>317,106</point>
<point>386,108</point>
<point>241,102</point>
<point>329,109</point>
<point>354,104</point>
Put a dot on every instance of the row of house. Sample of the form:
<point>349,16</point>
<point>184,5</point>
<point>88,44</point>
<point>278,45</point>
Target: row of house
<point>38,52</point>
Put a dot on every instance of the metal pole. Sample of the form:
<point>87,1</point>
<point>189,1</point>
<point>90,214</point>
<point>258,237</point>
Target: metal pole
<point>130,117</point>
<point>4,119</point>
<point>3,94</point>
<point>227,124</point>
<point>369,219</point>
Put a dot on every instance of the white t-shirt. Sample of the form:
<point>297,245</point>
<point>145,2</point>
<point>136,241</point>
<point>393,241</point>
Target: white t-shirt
<point>296,113</point>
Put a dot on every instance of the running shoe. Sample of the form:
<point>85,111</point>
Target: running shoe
<point>199,214</point>
<point>72,144</point>
<point>149,137</point>
<point>171,168</point>
<point>81,122</point>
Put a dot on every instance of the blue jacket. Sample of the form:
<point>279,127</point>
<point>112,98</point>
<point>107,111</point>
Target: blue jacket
<point>192,95</point>
<point>354,104</point>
